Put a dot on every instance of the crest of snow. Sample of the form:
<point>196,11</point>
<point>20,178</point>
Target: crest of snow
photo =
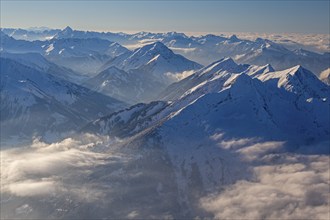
<point>50,48</point>
<point>154,59</point>
<point>255,71</point>
<point>61,51</point>
<point>325,76</point>
<point>297,80</point>
<point>223,64</point>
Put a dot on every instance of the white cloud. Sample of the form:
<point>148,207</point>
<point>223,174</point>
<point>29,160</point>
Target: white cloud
<point>140,43</point>
<point>24,209</point>
<point>314,42</point>
<point>174,77</point>
<point>87,174</point>
<point>33,187</point>
<point>257,150</point>
<point>39,169</point>
<point>287,190</point>
<point>236,143</point>
<point>132,214</point>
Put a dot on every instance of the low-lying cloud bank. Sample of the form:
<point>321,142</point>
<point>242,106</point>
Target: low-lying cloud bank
<point>295,187</point>
<point>87,177</point>
<point>174,77</point>
<point>35,175</point>
<point>283,185</point>
<point>313,42</point>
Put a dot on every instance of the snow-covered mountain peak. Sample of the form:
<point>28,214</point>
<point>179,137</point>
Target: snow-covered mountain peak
<point>284,74</point>
<point>142,34</point>
<point>227,61</point>
<point>255,71</point>
<point>264,44</point>
<point>67,32</point>
<point>154,58</point>
<point>209,78</point>
<point>297,80</point>
<point>234,38</point>
<point>212,36</point>
<point>266,69</point>
<point>85,55</point>
<point>259,40</point>
<point>238,80</point>
<point>298,69</point>
<point>175,34</point>
<point>159,47</point>
<point>223,64</point>
<point>156,48</point>
<point>89,45</point>
<point>262,40</point>
<point>211,39</point>
<point>149,51</point>
<point>269,68</point>
<point>67,29</point>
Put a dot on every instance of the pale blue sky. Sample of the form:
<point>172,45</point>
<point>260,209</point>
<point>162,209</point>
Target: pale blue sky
<point>183,16</point>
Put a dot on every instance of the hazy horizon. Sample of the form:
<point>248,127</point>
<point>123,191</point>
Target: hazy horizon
<point>189,33</point>
<point>307,17</point>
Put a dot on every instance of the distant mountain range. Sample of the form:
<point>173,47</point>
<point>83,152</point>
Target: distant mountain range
<point>85,56</point>
<point>202,49</point>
